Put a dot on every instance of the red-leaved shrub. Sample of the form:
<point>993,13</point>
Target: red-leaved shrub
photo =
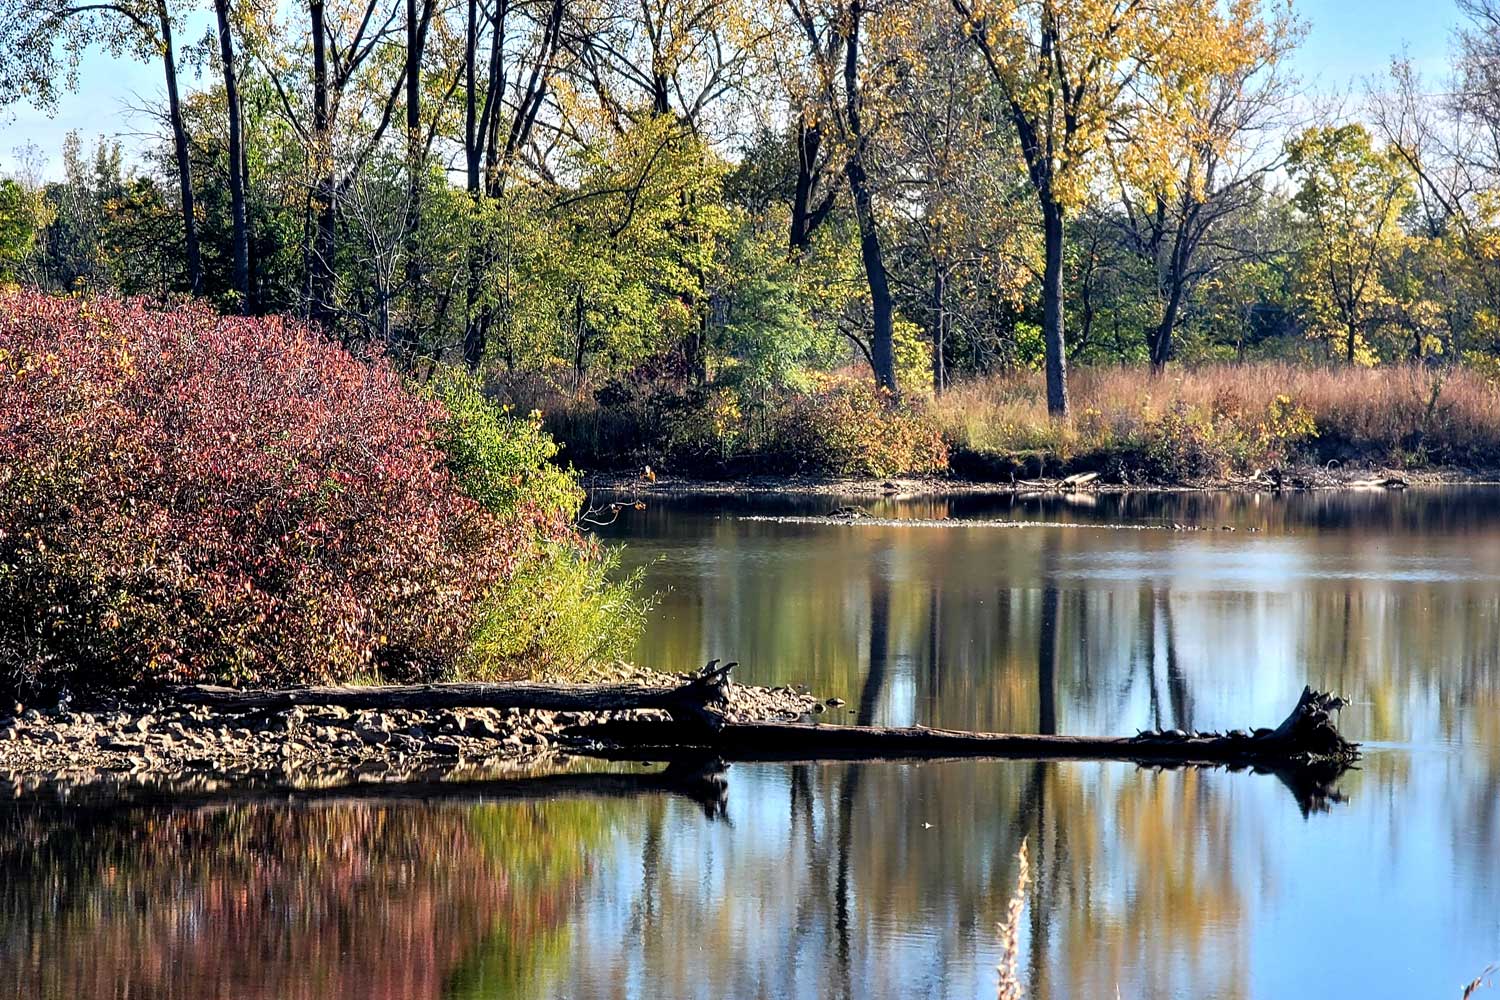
<point>188,497</point>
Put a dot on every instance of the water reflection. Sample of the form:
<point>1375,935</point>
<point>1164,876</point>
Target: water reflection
<point>1391,600</point>
<point>1082,629</point>
<point>267,900</point>
<point>886,880</point>
<point>852,880</point>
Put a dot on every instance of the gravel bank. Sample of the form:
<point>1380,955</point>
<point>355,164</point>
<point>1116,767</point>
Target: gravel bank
<point>75,743</point>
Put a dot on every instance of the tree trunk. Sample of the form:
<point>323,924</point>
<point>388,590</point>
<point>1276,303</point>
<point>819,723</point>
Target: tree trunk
<point>1307,735</point>
<point>807,216</point>
<point>693,707</point>
<point>476,338</point>
<point>882,353</point>
<point>1350,341</point>
<point>256,296</point>
<point>241,235</point>
<point>939,328</point>
<point>471,107</point>
<point>1052,311</point>
<point>882,347</point>
<point>416,38</point>
<point>476,327</point>
<point>320,263</point>
<point>1161,338</point>
<point>180,150</point>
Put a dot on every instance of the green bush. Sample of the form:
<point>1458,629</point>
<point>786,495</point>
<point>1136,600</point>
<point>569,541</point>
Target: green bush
<point>562,609</point>
<point>498,459</point>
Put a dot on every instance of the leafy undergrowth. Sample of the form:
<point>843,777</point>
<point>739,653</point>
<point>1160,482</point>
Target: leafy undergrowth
<point>839,424</point>
<point>187,497</point>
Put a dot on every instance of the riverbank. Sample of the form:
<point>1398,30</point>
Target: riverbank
<point>152,739</point>
<point>1187,428</point>
<point>607,488</point>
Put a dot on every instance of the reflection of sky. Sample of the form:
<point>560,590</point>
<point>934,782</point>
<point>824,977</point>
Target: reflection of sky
<point>1389,894</point>
<point>1372,899</point>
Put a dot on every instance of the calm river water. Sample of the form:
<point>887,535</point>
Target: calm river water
<point>887,880</point>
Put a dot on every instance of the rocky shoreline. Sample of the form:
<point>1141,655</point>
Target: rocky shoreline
<point>156,740</point>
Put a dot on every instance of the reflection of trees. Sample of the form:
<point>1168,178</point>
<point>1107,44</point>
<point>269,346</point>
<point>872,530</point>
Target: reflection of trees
<point>1156,653</point>
<point>1170,919</point>
<point>1046,655</point>
<point>881,876</point>
<point>1209,630</point>
<point>1390,601</point>
<point>880,641</point>
<point>266,900</point>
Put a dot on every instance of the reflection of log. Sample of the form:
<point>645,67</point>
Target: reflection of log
<point>685,702</point>
<point>698,778</point>
<point>1308,733</point>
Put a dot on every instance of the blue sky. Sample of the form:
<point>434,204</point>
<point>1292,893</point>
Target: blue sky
<point>1347,41</point>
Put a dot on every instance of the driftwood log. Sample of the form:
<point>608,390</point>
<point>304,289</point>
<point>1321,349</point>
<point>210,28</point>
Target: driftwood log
<point>1308,732</point>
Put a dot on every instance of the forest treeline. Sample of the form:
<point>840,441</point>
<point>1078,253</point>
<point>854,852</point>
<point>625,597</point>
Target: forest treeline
<point>717,228</point>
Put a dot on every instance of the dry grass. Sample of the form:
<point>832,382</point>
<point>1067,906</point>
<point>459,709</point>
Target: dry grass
<point>1241,414</point>
<point>1010,987</point>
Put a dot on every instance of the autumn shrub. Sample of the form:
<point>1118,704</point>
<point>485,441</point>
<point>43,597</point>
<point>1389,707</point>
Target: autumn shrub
<point>838,424</point>
<point>848,426</point>
<point>187,497</point>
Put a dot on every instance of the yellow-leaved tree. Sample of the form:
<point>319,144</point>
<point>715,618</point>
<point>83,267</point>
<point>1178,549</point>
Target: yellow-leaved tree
<point>1350,195</point>
<point>1075,72</point>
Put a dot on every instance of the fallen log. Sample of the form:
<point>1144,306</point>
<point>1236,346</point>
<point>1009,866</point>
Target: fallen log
<point>1307,734</point>
<point>686,702</point>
